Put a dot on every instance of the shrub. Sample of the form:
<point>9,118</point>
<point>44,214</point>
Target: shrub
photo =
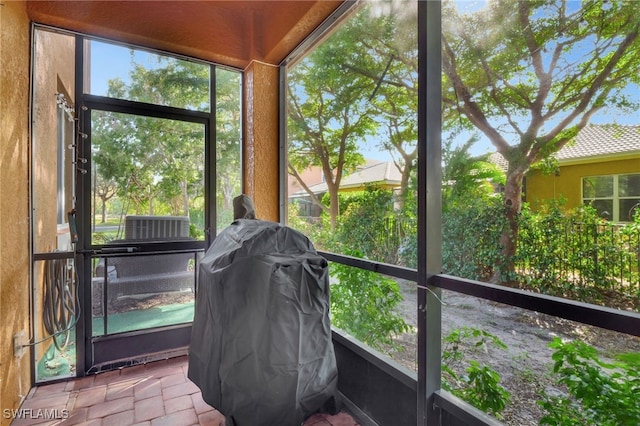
<point>579,255</point>
<point>319,234</point>
<point>480,386</point>
<point>368,222</point>
<point>470,238</point>
<point>363,303</point>
<point>600,393</point>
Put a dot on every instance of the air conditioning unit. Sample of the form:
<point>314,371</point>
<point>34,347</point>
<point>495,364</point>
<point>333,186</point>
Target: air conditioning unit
<point>156,227</point>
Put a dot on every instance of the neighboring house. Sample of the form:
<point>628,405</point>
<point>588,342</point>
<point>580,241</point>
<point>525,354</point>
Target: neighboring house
<point>311,176</point>
<point>378,174</point>
<point>600,168</point>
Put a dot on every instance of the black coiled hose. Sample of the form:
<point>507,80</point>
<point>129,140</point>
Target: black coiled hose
<point>59,293</point>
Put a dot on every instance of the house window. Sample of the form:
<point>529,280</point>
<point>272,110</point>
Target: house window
<point>615,197</point>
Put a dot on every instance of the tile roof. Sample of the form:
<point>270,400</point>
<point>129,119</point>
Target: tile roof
<point>594,141</point>
<point>602,140</point>
<point>384,172</point>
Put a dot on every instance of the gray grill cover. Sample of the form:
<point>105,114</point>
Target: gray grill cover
<point>261,349</point>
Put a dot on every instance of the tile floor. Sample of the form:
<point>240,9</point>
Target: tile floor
<point>155,394</point>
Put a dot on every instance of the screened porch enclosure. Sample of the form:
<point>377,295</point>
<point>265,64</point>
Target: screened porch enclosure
<point>147,159</point>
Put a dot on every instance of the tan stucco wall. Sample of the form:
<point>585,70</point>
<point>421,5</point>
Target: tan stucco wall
<point>261,139</point>
<point>15,377</point>
<point>568,182</point>
<point>53,73</point>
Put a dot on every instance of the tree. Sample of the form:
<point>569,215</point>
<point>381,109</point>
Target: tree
<point>466,178</point>
<point>529,75</point>
<point>158,164</point>
<point>228,137</point>
<point>329,115</point>
<point>105,190</point>
<point>386,51</point>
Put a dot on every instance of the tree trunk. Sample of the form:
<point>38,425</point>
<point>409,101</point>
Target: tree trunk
<point>509,237</point>
<point>334,208</point>
<point>404,183</point>
<point>185,198</point>
<point>104,209</point>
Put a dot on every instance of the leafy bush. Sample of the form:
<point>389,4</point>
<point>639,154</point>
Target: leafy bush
<point>470,238</point>
<point>574,254</point>
<point>319,234</point>
<point>363,302</point>
<point>369,223</point>
<point>600,393</point>
<point>579,255</point>
<point>480,386</point>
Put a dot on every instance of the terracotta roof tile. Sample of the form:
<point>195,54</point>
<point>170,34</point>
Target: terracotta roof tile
<point>379,172</point>
<point>593,141</point>
<point>602,140</point>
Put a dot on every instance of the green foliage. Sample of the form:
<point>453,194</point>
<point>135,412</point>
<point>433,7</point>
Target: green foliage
<point>363,303</point>
<point>529,75</point>
<point>466,177</point>
<point>329,114</point>
<point>158,165</point>
<point>574,254</point>
<point>470,237</point>
<point>600,393</point>
<point>577,254</point>
<point>479,385</point>
<point>195,232</point>
<point>320,235</point>
<point>369,224</point>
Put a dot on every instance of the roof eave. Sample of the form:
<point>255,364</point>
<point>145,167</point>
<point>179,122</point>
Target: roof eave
<point>629,155</point>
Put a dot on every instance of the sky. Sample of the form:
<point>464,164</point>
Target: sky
<point>109,61</point>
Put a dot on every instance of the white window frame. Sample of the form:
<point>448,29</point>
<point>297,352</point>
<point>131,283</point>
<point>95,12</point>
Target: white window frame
<point>615,198</point>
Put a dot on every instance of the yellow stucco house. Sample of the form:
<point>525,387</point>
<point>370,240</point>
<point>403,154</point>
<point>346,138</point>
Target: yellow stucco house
<point>601,167</point>
<point>379,174</point>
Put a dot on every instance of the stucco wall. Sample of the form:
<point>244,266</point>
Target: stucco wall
<point>567,183</point>
<point>15,376</point>
<point>261,139</point>
<point>53,73</point>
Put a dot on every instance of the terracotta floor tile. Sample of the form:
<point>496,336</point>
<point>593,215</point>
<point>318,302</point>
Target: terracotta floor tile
<point>120,389</point>
<point>149,409</point>
<point>49,402</point>
<point>134,371</point>
<point>172,380</point>
<point>147,388</point>
<point>79,384</point>
<point>179,418</point>
<point>341,419</point>
<point>162,370</point>
<point>179,361</point>
<point>110,407</point>
<point>51,389</point>
<point>211,418</point>
<point>199,404</point>
<point>91,422</point>
<point>91,396</point>
<point>186,388</point>
<point>153,394</point>
<point>321,419</point>
<point>106,377</point>
<point>180,403</point>
<point>32,421</point>
<point>77,416</point>
<point>125,418</point>
<point>317,422</point>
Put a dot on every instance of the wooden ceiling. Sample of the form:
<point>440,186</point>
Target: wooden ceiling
<point>232,33</point>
